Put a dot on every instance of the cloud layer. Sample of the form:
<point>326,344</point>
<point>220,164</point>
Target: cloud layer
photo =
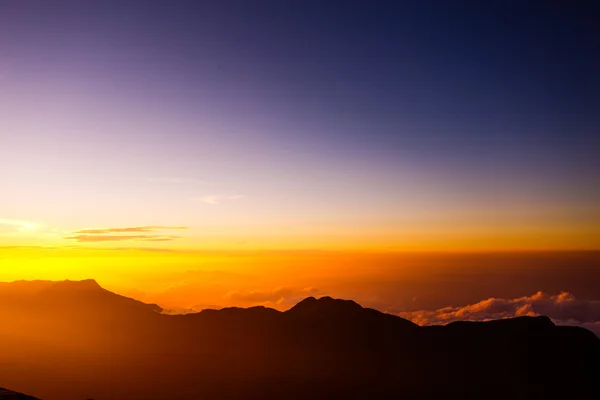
<point>563,309</point>
<point>114,234</point>
<point>116,238</point>
<point>140,229</point>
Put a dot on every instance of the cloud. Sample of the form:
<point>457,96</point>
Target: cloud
<point>563,309</point>
<point>218,199</point>
<point>139,229</point>
<point>114,238</point>
<point>112,234</point>
<point>20,224</point>
<point>143,249</point>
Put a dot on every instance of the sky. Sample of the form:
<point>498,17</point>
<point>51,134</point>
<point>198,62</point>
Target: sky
<point>159,136</point>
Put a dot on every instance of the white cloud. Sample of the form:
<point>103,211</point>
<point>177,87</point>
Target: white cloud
<point>563,309</point>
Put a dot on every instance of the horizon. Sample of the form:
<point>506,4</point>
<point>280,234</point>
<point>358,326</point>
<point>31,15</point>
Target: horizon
<point>320,298</point>
<point>561,306</point>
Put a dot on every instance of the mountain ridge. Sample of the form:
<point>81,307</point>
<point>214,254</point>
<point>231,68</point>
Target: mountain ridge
<point>320,348</point>
<point>308,305</point>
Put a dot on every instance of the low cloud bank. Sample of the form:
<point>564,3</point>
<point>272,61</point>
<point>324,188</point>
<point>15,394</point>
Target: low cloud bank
<point>563,309</point>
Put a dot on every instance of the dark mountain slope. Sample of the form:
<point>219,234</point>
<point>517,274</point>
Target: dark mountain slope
<point>90,343</point>
<point>6,394</point>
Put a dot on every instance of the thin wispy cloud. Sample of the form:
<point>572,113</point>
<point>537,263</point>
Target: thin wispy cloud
<point>135,229</point>
<point>19,224</point>
<point>218,199</point>
<point>114,234</point>
<point>119,238</point>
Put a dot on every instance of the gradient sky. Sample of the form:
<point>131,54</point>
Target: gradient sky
<point>377,126</point>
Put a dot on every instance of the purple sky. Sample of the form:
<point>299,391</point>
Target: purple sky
<point>302,124</point>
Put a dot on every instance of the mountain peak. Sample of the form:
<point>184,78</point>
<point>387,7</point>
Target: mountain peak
<point>35,287</point>
<point>82,284</point>
<point>325,305</point>
<point>86,285</point>
<point>73,295</point>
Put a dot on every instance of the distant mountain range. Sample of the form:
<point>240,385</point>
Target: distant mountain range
<point>76,341</point>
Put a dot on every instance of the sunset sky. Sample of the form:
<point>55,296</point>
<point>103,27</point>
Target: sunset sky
<point>141,140</point>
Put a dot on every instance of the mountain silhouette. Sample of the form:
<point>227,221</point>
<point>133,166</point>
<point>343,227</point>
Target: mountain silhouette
<point>68,296</point>
<point>6,394</point>
<point>76,340</point>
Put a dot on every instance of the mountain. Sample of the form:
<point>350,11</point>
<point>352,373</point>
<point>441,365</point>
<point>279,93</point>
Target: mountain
<point>67,296</point>
<point>76,340</point>
<point>6,394</point>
